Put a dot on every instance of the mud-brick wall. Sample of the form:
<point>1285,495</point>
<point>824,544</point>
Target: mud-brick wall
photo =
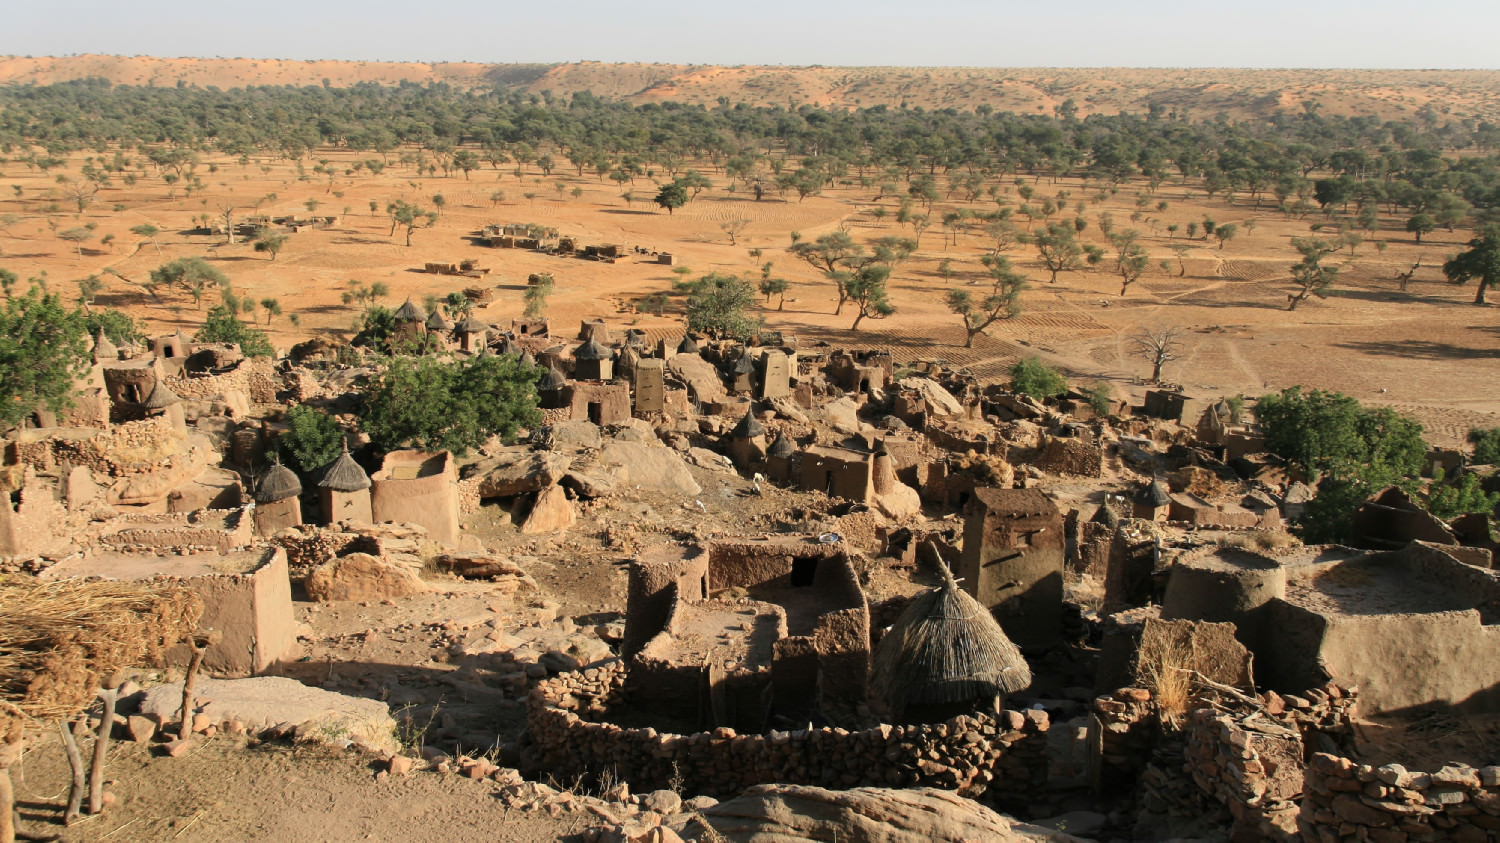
<point>1390,804</point>
<point>1004,754</point>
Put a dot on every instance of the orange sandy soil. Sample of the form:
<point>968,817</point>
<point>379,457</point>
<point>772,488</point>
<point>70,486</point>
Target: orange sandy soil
<point>1428,352</point>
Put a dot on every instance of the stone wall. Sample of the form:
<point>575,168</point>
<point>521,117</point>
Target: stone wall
<point>1390,804</point>
<point>570,736</point>
<point>253,376</point>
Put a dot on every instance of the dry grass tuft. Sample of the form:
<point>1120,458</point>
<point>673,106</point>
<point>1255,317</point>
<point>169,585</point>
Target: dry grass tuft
<point>1165,666</point>
<point>60,640</point>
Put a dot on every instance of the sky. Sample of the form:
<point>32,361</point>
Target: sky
<point>981,33</point>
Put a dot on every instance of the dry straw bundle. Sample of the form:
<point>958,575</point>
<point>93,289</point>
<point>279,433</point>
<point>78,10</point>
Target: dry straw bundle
<point>60,640</point>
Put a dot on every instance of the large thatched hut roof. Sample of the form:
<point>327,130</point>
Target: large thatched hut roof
<point>160,397</point>
<point>410,312</point>
<point>345,475</point>
<point>748,428</point>
<point>277,484</point>
<point>946,648</point>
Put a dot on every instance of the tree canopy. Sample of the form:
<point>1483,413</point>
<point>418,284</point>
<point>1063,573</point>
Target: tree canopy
<point>718,305</point>
<point>44,348</point>
<point>443,403</point>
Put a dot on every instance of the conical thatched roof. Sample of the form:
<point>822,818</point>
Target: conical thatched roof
<point>438,322</point>
<point>688,345</point>
<point>1154,494</point>
<point>345,475</point>
<point>946,648</point>
<point>744,365</point>
<point>104,349</point>
<point>592,350</point>
<point>552,381</point>
<point>160,397</point>
<point>782,448</point>
<point>748,428</point>
<point>277,484</point>
<point>471,326</point>
<point>410,312</point>
<point>527,358</point>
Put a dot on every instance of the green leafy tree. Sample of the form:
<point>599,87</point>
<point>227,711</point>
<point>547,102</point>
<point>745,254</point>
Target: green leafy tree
<point>223,325</point>
<point>866,288</point>
<point>1034,378</point>
<point>1099,397</point>
<point>270,242</point>
<point>1448,501</point>
<point>440,403</point>
<point>148,232</point>
<point>88,288</point>
<point>312,440</point>
<point>409,217</point>
<point>117,325</point>
<point>1420,224</point>
<point>77,236</point>
<point>1480,262</point>
<point>272,307</point>
<point>191,274</point>
<point>672,196</point>
<point>1486,443</point>
<point>44,348</point>
<point>1059,250</point>
<point>830,253</point>
<point>536,295</point>
<point>1349,450</point>
<point>774,287</point>
<point>1225,233</point>
<point>1003,301</point>
<point>1311,275</point>
<point>718,305</point>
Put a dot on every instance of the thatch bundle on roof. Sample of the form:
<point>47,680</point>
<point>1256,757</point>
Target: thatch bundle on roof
<point>60,641</point>
<point>946,650</point>
<point>345,475</point>
<point>277,484</point>
<point>160,397</point>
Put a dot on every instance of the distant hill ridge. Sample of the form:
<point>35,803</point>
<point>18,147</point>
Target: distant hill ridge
<point>1204,93</point>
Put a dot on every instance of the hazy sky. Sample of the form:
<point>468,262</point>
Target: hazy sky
<point>995,33</point>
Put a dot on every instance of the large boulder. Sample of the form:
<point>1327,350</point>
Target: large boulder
<point>784,813</point>
<point>703,381</point>
<point>264,703</point>
<point>551,512</point>
<point>518,472</point>
<point>360,576</point>
<point>647,467</point>
<point>842,415</point>
<point>940,402</point>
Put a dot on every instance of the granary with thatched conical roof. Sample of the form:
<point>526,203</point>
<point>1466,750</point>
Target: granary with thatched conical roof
<point>946,655</point>
<point>411,323</point>
<point>779,458</point>
<point>344,491</point>
<point>593,362</point>
<point>742,373</point>
<point>162,401</point>
<point>1013,555</point>
<point>747,441</point>
<point>472,334</point>
<point>1153,501</point>
<point>276,500</point>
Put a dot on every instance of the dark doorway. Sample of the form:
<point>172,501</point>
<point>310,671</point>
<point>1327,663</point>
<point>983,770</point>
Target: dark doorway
<point>803,571</point>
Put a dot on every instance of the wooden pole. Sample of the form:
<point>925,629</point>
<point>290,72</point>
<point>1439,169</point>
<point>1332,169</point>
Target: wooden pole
<point>101,749</point>
<point>185,727</point>
<point>75,763</point>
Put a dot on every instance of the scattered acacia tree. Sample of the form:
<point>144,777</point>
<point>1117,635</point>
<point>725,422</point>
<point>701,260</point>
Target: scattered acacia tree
<point>1481,262</point>
<point>774,287</point>
<point>77,236</point>
<point>1034,378</point>
<point>409,217</point>
<point>672,196</point>
<point>718,305</point>
<point>536,296</point>
<point>1420,224</point>
<point>830,253</point>
<point>193,275</point>
<point>270,242</point>
<point>148,232</point>
<point>1003,301</point>
<point>1225,233</point>
<point>1157,346</point>
<point>272,307</point>
<point>1059,250</point>
<point>1350,451</point>
<point>441,403</point>
<point>312,439</point>
<point>88,288</point>
<point>44,348</point>
<point>1311,276</point>
<point>224,325</point>
<point>734,228</point>
<point>866,288</point>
